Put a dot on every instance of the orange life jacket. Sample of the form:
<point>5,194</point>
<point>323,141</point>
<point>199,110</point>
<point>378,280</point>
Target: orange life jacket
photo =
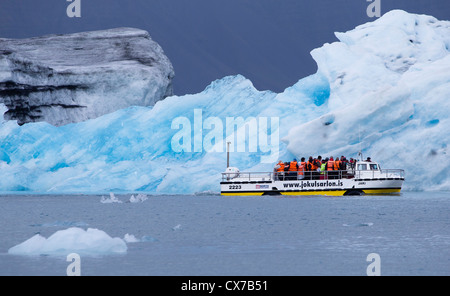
<point>301,168</point>
<point>305,167</point>
<point>293,166</point>
<point>330,165</point>
<point>314,167</point>
<point>337,166</point>
<point>281,168</point>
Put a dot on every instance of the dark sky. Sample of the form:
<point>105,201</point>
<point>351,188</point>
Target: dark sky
<point>268,41</point>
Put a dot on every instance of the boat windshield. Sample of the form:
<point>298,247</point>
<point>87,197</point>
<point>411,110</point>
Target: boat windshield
<point>373,167</point>
<point>368,167</point>
<point>362,167</point>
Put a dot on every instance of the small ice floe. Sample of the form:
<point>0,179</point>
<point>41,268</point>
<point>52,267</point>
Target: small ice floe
<point>138,198</point>
<point>366,224</point>
<point>358,224</point>
<point>90,242</point>
<point>148,238</point>
<point>112,199</point>
<point>130,238</point>
<point>177,227</point>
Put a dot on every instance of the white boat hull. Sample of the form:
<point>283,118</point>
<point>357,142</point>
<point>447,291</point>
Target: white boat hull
<point>332,187</point>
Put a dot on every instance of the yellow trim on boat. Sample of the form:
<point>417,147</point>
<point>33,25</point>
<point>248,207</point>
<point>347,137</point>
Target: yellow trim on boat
<point>326,193</point>
<point>381,191</point>
<point>243,194</point>
<point>329,193</point>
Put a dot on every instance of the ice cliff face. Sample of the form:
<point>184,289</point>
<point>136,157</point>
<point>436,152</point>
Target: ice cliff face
<point>383,88</point>
<point>63,79</point>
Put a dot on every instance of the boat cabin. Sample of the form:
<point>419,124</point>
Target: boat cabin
<point>367,166</point>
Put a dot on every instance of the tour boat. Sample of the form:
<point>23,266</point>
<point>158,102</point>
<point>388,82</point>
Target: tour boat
<point>363,177</point>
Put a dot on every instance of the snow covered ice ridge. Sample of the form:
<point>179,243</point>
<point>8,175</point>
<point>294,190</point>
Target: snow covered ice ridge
<point>391,101</point>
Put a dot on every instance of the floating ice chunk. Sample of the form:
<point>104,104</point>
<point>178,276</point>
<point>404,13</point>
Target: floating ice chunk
<point>90,242</point>
<point>130,238</point>
<point>139,198</point>
<point>364,224</point>
<point>112,199</point>
<point>148,238</point>
<point>177,227</point>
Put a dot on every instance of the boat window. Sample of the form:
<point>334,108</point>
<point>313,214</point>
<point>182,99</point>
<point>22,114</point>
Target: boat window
<point>362,167</point>
<point>373,167</point>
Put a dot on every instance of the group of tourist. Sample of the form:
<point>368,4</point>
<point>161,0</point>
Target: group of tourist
<point>314,168</point>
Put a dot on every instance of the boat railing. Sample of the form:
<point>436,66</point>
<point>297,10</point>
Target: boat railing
<point>244,176</point>
<point>313,175</point>
<point>380,174</point>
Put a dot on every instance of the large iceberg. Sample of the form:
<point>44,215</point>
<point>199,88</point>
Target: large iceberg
<point>389,88</point>
<point>382,89</point>
<point>69,78</point>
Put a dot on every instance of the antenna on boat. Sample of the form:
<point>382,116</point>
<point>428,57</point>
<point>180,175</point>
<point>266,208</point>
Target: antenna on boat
<point>360,145</point>
<point>228,154</point>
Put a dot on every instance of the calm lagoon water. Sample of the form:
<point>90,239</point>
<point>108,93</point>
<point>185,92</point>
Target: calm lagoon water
<point>212,235</point>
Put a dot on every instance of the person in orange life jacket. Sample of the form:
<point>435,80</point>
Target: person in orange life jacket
<point>330,168</point>
<point>303,162</point>
<point>279,170</point>
<point>279,167</point>
<point>293,167</point>
<point>309,164</point>
<point>330,164</point>
<point>305,166</point>
<point>315,166</point>
<point>319,158</point>
<point>337,167</point>
<point>337,163</point>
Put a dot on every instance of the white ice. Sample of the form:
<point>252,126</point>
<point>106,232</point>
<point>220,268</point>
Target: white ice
<point>90,242</point>
<point>112,199</point>
<point>138,198</point>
